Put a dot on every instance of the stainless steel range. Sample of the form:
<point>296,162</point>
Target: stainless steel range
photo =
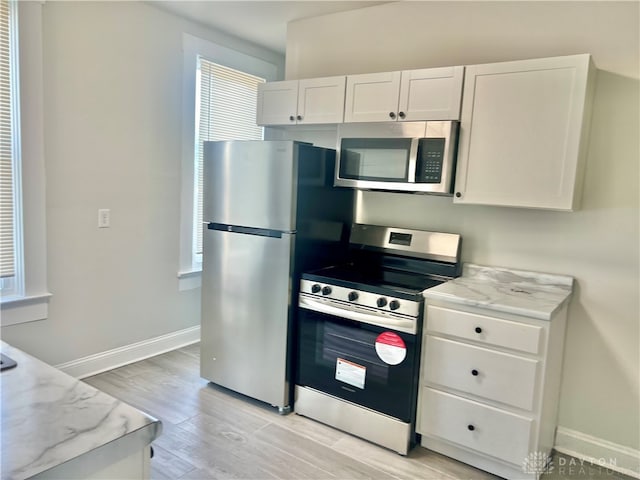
<point>359,332</point>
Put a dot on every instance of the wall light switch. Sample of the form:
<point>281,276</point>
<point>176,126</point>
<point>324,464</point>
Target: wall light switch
<point>104,218</point>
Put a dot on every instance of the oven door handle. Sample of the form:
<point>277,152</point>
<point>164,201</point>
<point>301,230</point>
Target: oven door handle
<point>402,325</point>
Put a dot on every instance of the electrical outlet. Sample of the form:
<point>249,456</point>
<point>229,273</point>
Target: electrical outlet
<point>104,218</point>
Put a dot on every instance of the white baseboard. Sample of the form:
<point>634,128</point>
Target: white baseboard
<point>597,452</point>
<point>101,362</point>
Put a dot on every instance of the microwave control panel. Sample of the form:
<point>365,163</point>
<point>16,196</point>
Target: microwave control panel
<point>430,160</point>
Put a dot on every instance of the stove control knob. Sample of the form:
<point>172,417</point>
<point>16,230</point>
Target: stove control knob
<point>394,304</point>
<point>315,288</point>
<point>326,290</point>
<point>381,302</point>
<point>353,296</point>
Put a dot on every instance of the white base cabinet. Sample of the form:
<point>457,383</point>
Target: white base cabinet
<point>523,132</point>
<point>135,466</point>
<point>489,386</point>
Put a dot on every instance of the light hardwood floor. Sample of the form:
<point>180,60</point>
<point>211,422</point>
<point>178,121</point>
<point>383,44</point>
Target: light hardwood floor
<point>212,433</point>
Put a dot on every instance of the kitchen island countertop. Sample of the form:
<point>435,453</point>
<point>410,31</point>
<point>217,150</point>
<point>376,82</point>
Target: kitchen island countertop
<point>50,418</point>
<point>532,294</point>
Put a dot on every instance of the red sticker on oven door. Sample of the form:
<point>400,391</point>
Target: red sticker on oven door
<point>391,348</point>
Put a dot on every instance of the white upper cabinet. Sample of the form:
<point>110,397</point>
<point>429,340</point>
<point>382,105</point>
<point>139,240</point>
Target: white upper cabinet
<point>523,133</point>
<point>426,94</point>
<point>277,103</point>
<point>321,100</point>
<point>294,102</point>
<point>431,94</point>
<point>372,97</point>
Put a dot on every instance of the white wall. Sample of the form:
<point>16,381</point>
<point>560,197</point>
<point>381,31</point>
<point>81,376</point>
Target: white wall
<point>598,245</point>
<point>415,34</point>
<point>113,139</point>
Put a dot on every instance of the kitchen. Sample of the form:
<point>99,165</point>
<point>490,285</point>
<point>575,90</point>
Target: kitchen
<point>117,287</point>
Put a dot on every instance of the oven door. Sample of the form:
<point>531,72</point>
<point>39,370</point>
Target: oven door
<point>368,365</point>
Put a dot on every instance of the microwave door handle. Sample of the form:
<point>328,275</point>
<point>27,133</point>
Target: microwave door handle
<point>413,160</point>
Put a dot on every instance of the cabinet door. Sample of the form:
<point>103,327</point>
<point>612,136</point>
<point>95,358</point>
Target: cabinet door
<point>523,133</point>
<point>372,97</point>
<point>321,100</point>
<point>431,94</point>
<point>277,103</point>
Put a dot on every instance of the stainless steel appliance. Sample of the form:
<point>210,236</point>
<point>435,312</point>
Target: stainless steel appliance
<point>416,157</point>
<point>270,211</point>
<point>360,326</point>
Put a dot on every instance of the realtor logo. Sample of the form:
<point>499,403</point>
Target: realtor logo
<point>538,463</point>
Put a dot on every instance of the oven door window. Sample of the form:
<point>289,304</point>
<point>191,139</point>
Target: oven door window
<point>339,357</point>
<point>375,159</point>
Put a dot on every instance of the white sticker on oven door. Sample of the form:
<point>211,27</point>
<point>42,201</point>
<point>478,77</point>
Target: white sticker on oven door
<point>351,373</point>
<point>391,348</point>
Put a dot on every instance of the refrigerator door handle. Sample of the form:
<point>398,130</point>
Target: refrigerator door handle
<point>261,232</point>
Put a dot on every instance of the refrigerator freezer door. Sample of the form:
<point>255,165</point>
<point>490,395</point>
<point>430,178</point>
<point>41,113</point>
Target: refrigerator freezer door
<point>250,183</point>
<point>245,314</point>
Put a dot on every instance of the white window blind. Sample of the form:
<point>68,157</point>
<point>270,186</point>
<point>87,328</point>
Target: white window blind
<point>226,110</point>
<point>7,145</point>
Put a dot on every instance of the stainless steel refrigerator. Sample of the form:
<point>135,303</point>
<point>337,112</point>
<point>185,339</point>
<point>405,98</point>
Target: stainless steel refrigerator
<point>270,213</point>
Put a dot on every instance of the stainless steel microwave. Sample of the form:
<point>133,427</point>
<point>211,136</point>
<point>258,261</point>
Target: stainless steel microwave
<point>416,157</point>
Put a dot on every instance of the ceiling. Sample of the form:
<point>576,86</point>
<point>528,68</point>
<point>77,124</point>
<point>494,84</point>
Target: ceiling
<point>260,22</point>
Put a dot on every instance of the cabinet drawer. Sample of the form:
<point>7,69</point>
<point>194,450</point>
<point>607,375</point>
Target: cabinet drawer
<point>493,375</point>
<point>489,330</point>
<point>482,428</point>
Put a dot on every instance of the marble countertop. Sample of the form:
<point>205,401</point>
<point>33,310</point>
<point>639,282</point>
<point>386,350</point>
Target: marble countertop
<point>532,294</point>
<point>49,418</point>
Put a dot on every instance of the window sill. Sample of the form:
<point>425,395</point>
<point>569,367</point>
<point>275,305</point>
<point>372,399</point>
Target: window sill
<point>190,279</point>
<point>18,310</point>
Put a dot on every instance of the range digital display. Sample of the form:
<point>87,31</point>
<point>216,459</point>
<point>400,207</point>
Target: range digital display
<point>400,238</point>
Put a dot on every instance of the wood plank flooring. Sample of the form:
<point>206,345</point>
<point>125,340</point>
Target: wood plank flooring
<point>212,433</point>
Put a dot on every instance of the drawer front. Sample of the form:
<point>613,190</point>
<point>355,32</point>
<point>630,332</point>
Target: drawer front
<point>482,428</point>
<point>493,375</point>
<point>488,330</point>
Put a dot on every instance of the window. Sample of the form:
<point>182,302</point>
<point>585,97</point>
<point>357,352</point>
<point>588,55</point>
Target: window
<point>219,103</point>
<point>10,224</point>
<point>23,294</point>
<point>225,110</point>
